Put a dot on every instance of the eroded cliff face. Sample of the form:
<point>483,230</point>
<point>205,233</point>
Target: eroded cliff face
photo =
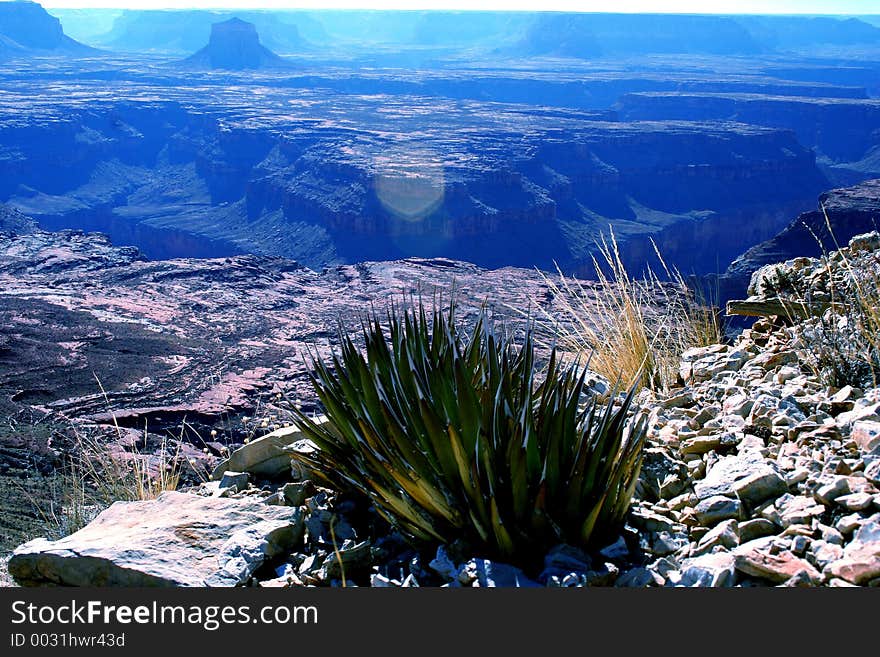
<point>29,25</point>
<point>844,132</point>
<point>26,29</point>
<point>841,215</point>
<point>328,178</point>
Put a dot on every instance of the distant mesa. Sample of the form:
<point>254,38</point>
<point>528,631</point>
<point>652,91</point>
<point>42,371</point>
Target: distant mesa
<point>588,36</point>
<point>183,32</point>
<point>235,45</point>
<point>595,35</point>
<point>26,29</point>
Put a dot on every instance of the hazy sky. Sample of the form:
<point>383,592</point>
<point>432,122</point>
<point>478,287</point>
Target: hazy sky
<point>671,6</point>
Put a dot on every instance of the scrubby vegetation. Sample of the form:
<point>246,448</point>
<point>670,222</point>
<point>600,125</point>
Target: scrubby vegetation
<point>633,328</point>
<point>458,436</point>
<point>94,476</point>
<point>839,295</point>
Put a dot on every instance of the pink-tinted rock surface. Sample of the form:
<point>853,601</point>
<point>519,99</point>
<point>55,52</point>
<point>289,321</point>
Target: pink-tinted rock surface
<point>97,333</point>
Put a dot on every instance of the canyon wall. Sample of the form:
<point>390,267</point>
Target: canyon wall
<point>844,132</point>
<point>27,29</point>
<point>328,178</point>
<point>841,214</point>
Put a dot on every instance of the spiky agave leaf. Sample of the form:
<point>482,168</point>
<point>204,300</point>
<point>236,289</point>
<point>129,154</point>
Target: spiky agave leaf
<point>462,437</point>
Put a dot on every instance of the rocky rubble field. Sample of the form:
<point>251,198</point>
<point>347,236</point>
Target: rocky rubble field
<point>757,473</point>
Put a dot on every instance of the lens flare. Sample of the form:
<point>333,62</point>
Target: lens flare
<point>409,184</point>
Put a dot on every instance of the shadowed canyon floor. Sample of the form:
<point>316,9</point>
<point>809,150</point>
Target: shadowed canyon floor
<point>326,176</point>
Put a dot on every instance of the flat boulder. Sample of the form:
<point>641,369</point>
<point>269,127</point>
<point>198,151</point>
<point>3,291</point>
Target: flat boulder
<point>759,558</point>
<point>866,434</point>
<point>264,457</point>
<point>716,569</point>
<point>178,539</point>
<point>748,473</point>
<point>861,558</point>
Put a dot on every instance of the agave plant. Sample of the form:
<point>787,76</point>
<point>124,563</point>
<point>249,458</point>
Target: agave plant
<point>458,436</point>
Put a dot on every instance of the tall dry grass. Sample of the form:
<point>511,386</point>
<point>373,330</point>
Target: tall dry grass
<point>628,328</point>
<point>868,324</point>
<point>95,476</point>
<point>98,472</point>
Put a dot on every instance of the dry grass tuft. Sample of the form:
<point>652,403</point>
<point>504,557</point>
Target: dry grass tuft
<point>632,329</point>
<point>96,476</point>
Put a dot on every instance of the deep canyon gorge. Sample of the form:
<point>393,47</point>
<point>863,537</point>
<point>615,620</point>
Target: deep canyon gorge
<point>478,155</point>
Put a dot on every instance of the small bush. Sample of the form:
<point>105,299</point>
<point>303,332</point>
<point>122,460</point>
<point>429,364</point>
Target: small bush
<point>842,346</point>
<point>456,437</point>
